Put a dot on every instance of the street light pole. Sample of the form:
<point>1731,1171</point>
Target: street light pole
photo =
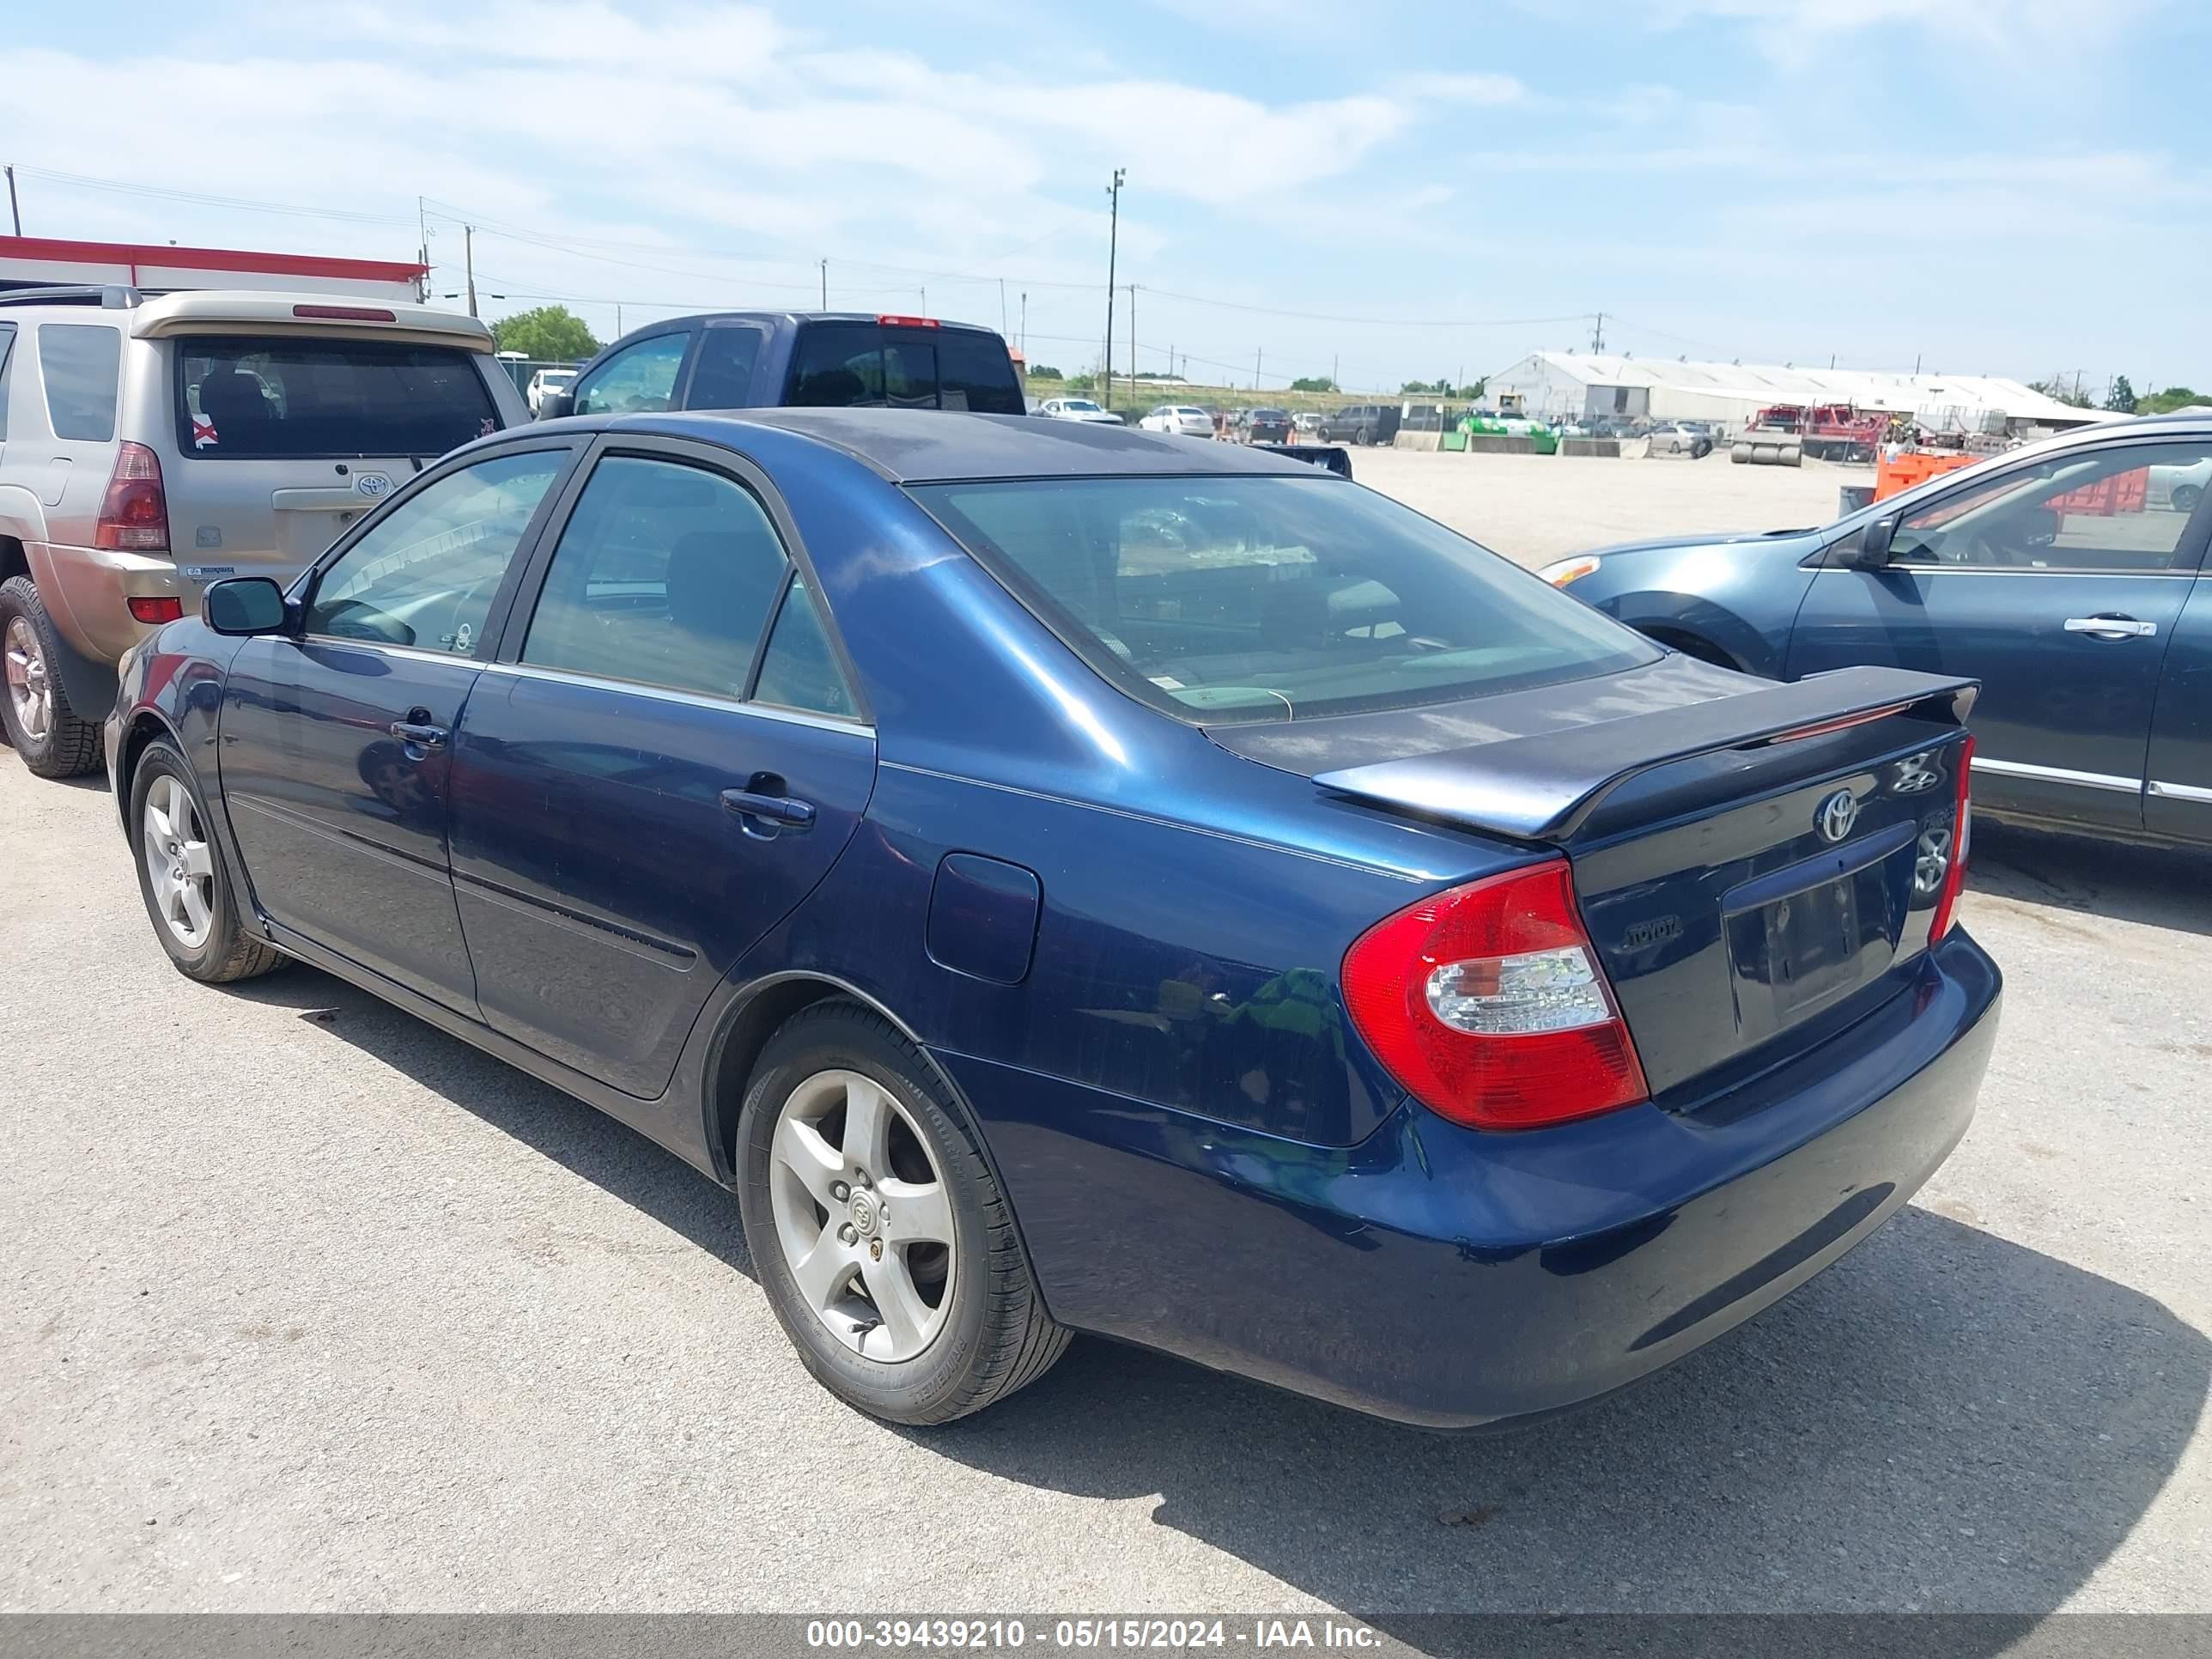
<point>1113,243</point>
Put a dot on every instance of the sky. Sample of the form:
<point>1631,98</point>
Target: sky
<point>1380,192</point>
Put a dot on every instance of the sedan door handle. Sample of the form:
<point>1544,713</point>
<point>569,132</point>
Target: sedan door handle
<point>749,804</point>
<point>417,735</point>
<point>2111,628</point>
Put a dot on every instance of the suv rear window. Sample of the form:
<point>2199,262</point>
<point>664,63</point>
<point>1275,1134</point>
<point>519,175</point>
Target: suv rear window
<point>79,363</point>
<point>1223,599</point>
<point>862,365</point>
<point>271,398</point>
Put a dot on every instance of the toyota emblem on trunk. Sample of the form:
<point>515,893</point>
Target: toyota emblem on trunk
<point>1837,814</point>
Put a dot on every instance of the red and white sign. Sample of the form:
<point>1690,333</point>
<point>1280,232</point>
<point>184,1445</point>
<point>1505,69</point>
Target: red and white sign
<point>43,260</point>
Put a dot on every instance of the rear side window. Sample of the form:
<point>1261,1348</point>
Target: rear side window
<point>1269,598</point>
<point>80,364</point>
<point>851,365</point>
<point>798,669</point>
<point>724,377</point>
<point>7,349</point>
<point>665,575</point>
<point>273,398</point>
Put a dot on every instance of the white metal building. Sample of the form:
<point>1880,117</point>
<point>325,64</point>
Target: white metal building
<point>1567,385</point>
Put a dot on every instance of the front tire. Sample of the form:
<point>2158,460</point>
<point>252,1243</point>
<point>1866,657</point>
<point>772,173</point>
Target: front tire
<point>53,741</point>
<point>880,1235</point>
<point>182,877</point>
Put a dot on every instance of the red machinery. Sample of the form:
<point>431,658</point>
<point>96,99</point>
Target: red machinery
<point>1826,432</point>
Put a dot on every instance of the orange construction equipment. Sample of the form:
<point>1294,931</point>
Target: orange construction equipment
<point>1893,474</point>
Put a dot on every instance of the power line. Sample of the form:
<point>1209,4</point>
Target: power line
<point>125,187</point>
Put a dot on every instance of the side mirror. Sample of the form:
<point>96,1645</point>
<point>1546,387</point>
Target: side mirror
<point>552,405</point>
<point>244,605</point>
<point>1870,549</point>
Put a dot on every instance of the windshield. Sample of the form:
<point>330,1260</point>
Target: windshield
<point>1254,598</point>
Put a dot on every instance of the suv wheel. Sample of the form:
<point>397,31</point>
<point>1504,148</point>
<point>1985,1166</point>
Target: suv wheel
<point>44,730</point>
<point>880,1233</point>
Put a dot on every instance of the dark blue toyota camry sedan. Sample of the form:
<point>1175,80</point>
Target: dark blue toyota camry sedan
<point>1064,878</point>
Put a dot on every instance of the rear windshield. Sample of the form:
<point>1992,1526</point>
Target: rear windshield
<point>863,365</point>
<point>1257,599</point>
<point>274,397</point>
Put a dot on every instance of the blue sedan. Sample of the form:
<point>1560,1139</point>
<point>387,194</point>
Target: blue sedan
<point>1063,878</point>
<point>2067,577</point>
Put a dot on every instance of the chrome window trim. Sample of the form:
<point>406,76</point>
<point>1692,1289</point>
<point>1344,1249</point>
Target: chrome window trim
<point>2182,792</point>
<point>2190,574</point>
<point>412,653</point>
<point>669,694</point>
<point>2060,774</point>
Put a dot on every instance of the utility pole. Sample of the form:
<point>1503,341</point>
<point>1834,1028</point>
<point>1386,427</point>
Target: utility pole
<point>825,283</point>
<point>1025,325</point>
<point>468,260</point>
<point>1335,381</point>
<point>1597,335</point>
<point>14,212</point>
<point>1113,246</point>
<point>1257,353</point>
<point>618,327</point>
<point>1132,343</point>
<point>421,229</point>
<point>1002,305</point>
<point>925,302</point>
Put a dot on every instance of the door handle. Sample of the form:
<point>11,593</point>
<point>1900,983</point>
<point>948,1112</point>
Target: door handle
<point>2111,628</point>
<point>762,802</point>
<point>417,734</point>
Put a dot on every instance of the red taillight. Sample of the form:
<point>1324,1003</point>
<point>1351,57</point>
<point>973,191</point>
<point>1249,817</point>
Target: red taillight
<point>909,322</point>
<point>347,313</point>
<point>134,516</point>
<point>1487,1002</point>
<point>160,608</point>
<point>1955,873</point>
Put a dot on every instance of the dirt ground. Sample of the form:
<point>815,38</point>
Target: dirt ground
<point>1534,509</point>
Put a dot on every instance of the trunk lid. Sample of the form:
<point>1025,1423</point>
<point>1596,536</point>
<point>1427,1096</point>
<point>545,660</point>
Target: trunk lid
<point>1750,859</point>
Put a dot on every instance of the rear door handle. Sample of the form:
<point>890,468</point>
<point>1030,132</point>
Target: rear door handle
<point>418,735</point>
<point>2111,628</point>
<point>762,806</point>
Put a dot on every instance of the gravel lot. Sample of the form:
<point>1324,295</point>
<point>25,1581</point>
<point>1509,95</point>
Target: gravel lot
<point>309,1306</point>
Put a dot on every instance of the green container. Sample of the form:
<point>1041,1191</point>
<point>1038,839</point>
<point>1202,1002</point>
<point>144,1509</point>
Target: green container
<point>1454,440</point>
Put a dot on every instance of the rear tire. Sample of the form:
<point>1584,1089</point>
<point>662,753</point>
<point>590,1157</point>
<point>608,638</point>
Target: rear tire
<point>52,740</point>
<point>842,1102</point>
<point>2186,496</point>
<point>182,877</point>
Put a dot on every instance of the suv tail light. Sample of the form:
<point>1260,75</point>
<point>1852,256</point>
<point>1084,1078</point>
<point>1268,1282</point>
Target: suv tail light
<point>134,514</point>
<point>1955,873</point>
<point>1487,1002</point>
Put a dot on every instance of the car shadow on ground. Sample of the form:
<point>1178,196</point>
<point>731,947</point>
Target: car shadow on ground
<point>2160,887</point>
<point>1945,1420</point>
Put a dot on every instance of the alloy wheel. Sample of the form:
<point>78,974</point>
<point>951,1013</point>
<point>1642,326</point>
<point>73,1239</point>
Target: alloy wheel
<point>862,1215</point>
<point>179,863</point>
<point>29,691</point>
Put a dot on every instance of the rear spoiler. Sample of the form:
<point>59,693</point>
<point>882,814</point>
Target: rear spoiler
<point>1545,787</point>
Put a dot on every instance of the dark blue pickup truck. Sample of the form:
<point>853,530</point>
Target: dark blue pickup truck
<point>767,359</point>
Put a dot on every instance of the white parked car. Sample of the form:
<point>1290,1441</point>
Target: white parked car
<point>1079,409</point>
<point>549,380</point>
<point>1182,419</point>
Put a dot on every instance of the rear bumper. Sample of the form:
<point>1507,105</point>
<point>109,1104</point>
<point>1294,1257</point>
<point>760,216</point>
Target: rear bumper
<point>1454,1279</point>
<point>87,590</point>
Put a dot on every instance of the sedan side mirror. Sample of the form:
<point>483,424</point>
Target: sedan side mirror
<point>1870,549</point>
<point>245,605</point>
<point>552,405</point>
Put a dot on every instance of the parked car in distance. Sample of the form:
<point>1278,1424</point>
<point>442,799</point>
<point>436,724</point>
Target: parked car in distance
<point>1681,438</point>
<point>1073,881</point>
<point>1079,409</point>
<point>1266,426</point>
<point>1361,424</point>
<point>1185,420</point>
<point>545,381</point>
<point>2066,576</point>
<point>803,359</point>
<point>150,444</point>
<point>1307,420</point>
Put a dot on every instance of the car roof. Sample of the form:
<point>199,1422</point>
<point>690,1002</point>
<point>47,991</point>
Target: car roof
<point>918,445</point>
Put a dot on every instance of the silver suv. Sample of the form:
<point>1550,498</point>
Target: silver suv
<point>150,445</point>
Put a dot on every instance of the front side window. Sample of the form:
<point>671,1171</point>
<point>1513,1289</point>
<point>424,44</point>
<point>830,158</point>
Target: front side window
<point>80,364</point>
<point>425,573</point>
<point>637,380</point>
<point>665,574</point>
<point>2125,508</point>
<point>242,397</point>
<point>1257,598</point>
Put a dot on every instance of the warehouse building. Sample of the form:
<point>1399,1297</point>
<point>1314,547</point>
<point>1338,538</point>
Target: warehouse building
<point>1574,385</point>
